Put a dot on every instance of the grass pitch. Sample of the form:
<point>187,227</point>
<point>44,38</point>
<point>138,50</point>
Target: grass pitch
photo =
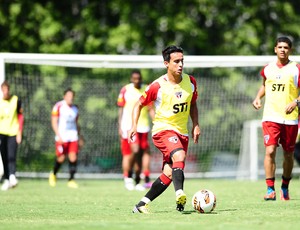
<point>105,204</point>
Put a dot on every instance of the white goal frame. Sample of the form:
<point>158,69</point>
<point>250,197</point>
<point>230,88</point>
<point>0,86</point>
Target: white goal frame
<point>152,62</point>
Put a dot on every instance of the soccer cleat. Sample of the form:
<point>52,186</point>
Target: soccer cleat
<point>129,184</point>
<point>6,185</point>
<point>284,194</point>
<point>72,184</point>
<point>142,209</point>
<point>271,195</point>
<point>52,179</point>
<point>180,201</point>
<point>13,181</point>
<point>140,187</point>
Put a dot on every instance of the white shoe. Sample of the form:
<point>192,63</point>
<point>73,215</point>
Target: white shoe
<point>129,185</point>
<point>13,180</point>
<point>140,187</point>
<point>6,185</point>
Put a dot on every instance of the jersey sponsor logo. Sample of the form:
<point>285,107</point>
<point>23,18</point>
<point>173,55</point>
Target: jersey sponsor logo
<point>173,139</point>
<point>267,138</point>
<point>181,107</point>
<point>278,87</point>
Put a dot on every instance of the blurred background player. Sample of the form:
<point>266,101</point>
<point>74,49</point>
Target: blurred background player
<point>136,154</point>
<point>64,121</point>
<point>174,95</point>
<point>297,146</point>
<point>11,128</point>
<point>280,86</point>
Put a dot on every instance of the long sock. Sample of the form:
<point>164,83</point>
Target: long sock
<point>157,188</point>
<point>285,182</point>
<point>178,175</point>
<point>137,178</point>
<point>72,168</point>
<point>147,176</point>
<point>270,183</point>
<point>56,167</point>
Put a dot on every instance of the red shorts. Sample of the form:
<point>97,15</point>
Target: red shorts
<point>275,134</point>
<point>140,138</point>
<point>169,142</point>
<point>66,148</point>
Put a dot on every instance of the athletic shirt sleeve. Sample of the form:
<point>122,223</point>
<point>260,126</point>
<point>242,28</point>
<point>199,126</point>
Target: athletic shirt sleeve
<point>55,109</point>
<point>121,98</point>
<point>298,66</point>
<point>150,93</point>
<point>195,92</point>
<point>262,72</point>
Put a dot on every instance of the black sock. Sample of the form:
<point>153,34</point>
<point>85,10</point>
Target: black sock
<point>137,179</point>
<point>178,178</point>
<point>157,188</point>
<point>56,167</point>
<point>72,168</point>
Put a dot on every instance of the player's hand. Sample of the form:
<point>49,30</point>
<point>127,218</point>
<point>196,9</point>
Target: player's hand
<point>131,133</point>
<point>196,132</point>
<point>290,107</point>
<point>19,138</point>
<point>81,142</point>
<point>256,103</point>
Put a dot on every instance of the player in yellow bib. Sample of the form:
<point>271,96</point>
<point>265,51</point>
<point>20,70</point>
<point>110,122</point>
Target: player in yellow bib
<point>11,128</point>
<point>174,95</point>
<point>281,82</point>
<point>135,154</point>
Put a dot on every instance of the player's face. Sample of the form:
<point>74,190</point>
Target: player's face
<point>136,79</point>
<point>175,65</point>
<point>5,92</point>
<point>282,50</point>
<point>69,96</point>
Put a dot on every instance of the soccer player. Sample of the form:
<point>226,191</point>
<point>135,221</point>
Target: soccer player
<point>64,121</point>
<point>135,154</point>
<point>11,128</point>
<point>174,95</point>
<point>280,86</point>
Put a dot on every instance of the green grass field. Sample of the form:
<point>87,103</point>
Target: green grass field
<point>105,204</point>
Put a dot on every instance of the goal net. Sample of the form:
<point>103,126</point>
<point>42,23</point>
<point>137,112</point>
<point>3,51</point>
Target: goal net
<point>226,87</point>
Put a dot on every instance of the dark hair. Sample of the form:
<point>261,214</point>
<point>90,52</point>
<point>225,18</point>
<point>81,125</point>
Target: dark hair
<point>136,71</point>
<point>69,90</point>
<point>170,49</point>
<point>284,39</point>
<point>5,83</point>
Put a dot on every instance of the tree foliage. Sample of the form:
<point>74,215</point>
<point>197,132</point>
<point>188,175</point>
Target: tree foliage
<point>201,27</point>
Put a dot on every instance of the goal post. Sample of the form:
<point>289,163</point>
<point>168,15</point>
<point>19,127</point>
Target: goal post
<point>226,85</point>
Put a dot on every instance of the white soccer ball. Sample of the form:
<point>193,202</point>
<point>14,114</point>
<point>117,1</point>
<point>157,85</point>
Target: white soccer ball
<point>204,201</point>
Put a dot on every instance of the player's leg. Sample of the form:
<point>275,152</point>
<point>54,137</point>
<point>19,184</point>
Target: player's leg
<point>127,164</point>
<point>288,140</point>
<point>145,147</point>
<point>178,159</point>
<point>157,188</point>
<point>12,158</point>
<point>3,149</point>
<point>297,152</point>
<point>271,133</point>
<point>59,159</point>
<point>72,155</point>
<point>137,161</point>
<point>270,167</point>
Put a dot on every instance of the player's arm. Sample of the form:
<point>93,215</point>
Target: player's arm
<point>54,124</point>
<point>260,94</point>
<point>120,114</point>
<point>20,121</point>
<point>194,117</point>
<point>135,117</point>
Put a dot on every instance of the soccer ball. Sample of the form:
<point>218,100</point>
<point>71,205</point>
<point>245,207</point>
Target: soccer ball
<point>204,201</point>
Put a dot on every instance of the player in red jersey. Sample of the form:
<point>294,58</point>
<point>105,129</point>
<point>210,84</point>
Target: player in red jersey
<point>174,95</point>
<point>281,82</point>
<point>64,121</point>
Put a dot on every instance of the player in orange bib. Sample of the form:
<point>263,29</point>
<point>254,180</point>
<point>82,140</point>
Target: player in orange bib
<point>174,95</point>
<point>281,82</point>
